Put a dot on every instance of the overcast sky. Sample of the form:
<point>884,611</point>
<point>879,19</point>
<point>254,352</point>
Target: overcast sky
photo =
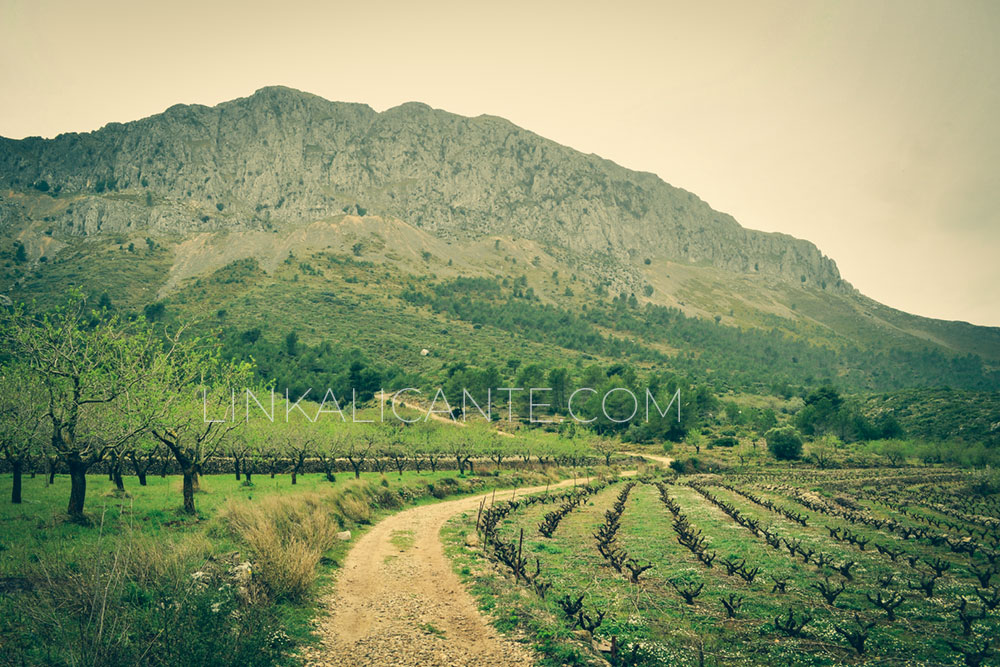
<point>870,127</point>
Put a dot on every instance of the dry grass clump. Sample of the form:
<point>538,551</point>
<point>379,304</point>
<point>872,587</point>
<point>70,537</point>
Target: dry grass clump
<point>287,536</point>
<point>354,501</point>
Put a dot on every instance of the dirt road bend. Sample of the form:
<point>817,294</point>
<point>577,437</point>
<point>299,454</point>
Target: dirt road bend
<point>665,460</point>
<point>396,601</point>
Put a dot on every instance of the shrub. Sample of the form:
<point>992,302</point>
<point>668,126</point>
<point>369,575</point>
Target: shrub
<point>388,499</point>
<point>355,509</point>
<point>785,443</point>
<point>287,536</point>
<point>690,466</point>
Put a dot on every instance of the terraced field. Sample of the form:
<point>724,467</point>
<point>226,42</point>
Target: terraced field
<point>858,566</point>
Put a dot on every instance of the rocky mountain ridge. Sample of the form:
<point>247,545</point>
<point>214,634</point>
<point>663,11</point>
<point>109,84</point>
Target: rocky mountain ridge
<point>282,157</point>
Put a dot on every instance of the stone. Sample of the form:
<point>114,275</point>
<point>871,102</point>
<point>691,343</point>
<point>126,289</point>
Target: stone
<point>241,574</point>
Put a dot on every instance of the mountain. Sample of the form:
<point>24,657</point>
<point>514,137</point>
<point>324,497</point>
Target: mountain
<point>281,156</point>
<point>410,198</point>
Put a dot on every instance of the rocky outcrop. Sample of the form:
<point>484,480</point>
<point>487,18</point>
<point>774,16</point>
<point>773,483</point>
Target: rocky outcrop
<point>281,156</point>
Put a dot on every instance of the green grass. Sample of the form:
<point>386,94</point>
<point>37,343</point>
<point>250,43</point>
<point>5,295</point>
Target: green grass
<point>38,526</point>
<point>141,549</point>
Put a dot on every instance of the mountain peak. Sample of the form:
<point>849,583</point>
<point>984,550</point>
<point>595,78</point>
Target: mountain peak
<point>282,155</point>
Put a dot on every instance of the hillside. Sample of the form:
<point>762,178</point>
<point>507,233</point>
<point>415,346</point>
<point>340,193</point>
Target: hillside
<point>351,220</point>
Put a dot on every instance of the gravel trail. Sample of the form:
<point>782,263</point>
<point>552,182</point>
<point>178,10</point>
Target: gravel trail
<point>397,601</point>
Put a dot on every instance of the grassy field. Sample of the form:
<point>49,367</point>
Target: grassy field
<point>911,524</point>
<point>143,583</point>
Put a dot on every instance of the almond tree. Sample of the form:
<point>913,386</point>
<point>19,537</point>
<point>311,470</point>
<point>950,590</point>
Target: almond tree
<point>299,442</point>
<point>458,443</point>
<point>198,416</point>
<point>143,454</point>
<point>466,443</point>
<point>237,450</point>
<point>431,448</point>
<point>86,361</point>
<point>606,447</point>
<point>121,426</point>
<point>272,449</point>
<point>22,417</point>
<point>360,445</point>
<point>395,448</point>
<point>497,447</point>
<point>329,446</point>
<point>259,445</point>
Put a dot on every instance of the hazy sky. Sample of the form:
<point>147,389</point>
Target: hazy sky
<point>870,128</point>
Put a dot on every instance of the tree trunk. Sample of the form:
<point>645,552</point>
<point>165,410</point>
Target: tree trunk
<point>195,481</point>
<point>116,475</point>
<point>163,467</point>
<point>78,488</point>
<point>236,465</point>
<point>295,474</point>
<point>461,466</point>
<point>52,473</point>
<point>189,486</point>
<point>248,474</point>
<point>15,491</point>
<point>140,471</point>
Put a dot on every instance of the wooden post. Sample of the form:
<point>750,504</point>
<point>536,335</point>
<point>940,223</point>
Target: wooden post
<point>480,513</point>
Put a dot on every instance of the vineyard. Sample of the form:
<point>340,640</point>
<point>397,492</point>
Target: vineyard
<point>883,566</point>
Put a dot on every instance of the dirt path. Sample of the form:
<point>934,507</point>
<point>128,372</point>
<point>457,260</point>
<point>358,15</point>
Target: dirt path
<point>665,460</point>
<point>398,602</point>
